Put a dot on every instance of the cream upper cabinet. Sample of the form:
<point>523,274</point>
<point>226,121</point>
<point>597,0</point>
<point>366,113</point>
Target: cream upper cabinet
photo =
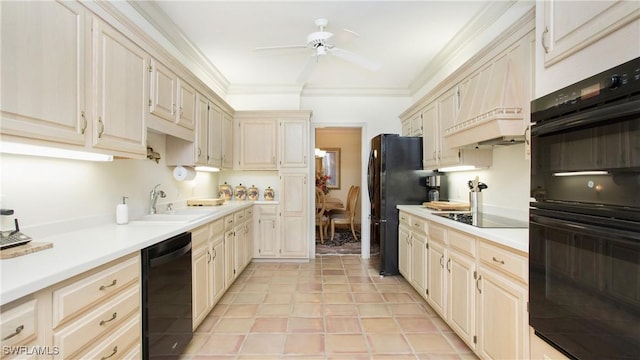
<point>120,90</point>
<point>294,144</point>
<point>215,136</point>
<point>430,137</point>
<point>201,144</point>
<point>227,141</point>
<point>567,31</point>
<point>406,127</point>
<point>257,141</point>
<point>447,115</point>
<point>44,70</point>
<point>412,126</point>
<point>172,102</point>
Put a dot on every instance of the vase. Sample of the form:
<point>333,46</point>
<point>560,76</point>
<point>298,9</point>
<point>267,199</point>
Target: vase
<point>241,192</point>
<point>253,193</point>
<point>269,194</point>
<point>225,191</point>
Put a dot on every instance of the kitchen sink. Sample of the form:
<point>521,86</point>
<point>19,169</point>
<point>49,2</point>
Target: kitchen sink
<point>177,216</point>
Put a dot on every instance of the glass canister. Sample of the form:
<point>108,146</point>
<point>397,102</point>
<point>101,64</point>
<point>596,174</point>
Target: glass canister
<point>253,193</point>
<point>225,191</point>
<point>269,194</point>
<point>241,192</point>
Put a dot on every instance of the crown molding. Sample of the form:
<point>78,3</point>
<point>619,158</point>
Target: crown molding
<point>310,90</point>
<point>487,16</point>
<point>163,24</point>
<point>264,89</point>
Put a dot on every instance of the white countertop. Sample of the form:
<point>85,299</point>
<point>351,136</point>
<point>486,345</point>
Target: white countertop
<point>75,252</point>
<point>517,239</point>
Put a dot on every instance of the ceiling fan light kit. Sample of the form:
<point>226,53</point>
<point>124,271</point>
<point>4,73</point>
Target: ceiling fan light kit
<point>317,41</point>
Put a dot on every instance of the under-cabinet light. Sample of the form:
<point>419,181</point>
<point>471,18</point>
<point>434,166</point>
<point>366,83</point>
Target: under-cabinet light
<point>207,168</point>
<point>38,150</point>
<point>578,173</point>
<point>457,168</point>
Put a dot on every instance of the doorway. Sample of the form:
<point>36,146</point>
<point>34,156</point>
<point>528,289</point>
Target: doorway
<point>338,167</point>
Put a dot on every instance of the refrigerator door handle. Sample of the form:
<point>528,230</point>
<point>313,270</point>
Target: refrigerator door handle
<point>370,173</point>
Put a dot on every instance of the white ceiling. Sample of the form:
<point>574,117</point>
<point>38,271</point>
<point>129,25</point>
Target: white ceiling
<point>406,37</point>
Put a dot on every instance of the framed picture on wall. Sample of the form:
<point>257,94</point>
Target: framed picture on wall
<point>331,166</point>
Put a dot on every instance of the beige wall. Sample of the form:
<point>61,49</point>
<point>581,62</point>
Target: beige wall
<point>349,143</point>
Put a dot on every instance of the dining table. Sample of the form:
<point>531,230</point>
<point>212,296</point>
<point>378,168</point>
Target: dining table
<point>332,203</point>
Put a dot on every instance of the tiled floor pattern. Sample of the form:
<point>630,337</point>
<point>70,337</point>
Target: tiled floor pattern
<point>334,307</point>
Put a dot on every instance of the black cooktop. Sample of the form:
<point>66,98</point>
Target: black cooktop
<point>485,220</point>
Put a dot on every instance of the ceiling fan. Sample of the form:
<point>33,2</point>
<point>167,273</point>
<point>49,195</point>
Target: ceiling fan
<point>318,42</point>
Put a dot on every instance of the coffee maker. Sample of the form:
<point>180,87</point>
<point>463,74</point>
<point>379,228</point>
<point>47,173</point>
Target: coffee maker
<point>433,187</point>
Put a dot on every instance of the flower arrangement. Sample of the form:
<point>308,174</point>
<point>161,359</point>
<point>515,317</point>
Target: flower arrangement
<point>321,182</point>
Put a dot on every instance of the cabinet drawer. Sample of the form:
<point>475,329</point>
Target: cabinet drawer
<point>437,232</point>
<point>228,222</point>
<point>200,235</point>
<point>508,262</point>
<point>19,324</point>
<point>405,218</point>
<point>117,344</point>
<point>267,210</point>
<point>103,320</point>
<point>79,295</point>
<point>462,242</point>
<point>419,225</point>
<point>238,217</point>
<point>216,227</point>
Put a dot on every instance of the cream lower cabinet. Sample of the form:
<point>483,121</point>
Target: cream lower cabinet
<point>201,274</point>
<point>266,240</point>
<point>293,214</point>
<point>419,255</point>
<point>98,313</point>
<point>26,323</point>
<point>503,322</point>
<point>478,287</point>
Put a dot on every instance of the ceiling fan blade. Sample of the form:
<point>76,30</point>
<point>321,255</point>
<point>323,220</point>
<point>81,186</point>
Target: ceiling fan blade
<point>280,47</point>
<point>308,68</point>
<point>355,59</point>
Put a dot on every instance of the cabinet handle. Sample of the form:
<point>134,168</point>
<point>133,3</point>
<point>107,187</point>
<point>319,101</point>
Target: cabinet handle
<point>478,284</point>
<point>449,265</point>
<point>113,283</point>
<point>544,46</point>
<point>84,123</point>
<point>215,253</point>
<point>115,350</point>
<point>434,154</point>
<point>209,256</point>
<point>173,109</point>
<point>501,262</point>
<point>113,317</point>
<point>101,129</point>
<point>442,261</point>
<point>200,152</point>
<point>17,331</point>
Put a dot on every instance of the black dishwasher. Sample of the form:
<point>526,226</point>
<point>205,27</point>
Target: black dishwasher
<point>167,324</point>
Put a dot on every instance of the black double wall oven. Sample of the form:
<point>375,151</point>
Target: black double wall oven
<point>584,230</point>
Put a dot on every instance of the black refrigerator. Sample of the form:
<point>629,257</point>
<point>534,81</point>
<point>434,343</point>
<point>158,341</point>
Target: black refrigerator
<point>394,177</point>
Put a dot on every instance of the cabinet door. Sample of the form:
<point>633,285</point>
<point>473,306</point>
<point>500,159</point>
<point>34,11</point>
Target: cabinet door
<point>120,88</point>
<point>202,133</point>
<point>229,258</point>
<point>266,236</point>
<point>43,70</point>
<point>416,125</point>
<point>186,113</point>
<point>418,262</point>
<point>218,269</point>
<point>436,278</point>
<point>293,194</point>
<point>239,242</point>
<point>502,317</point>
<point>566,31</point>
<point>294,244</point>
<point>227,141</point>
<point>215,137</point>
<point>164,84</point>
<point>248,241</point>
<point>294,135</point>
<point>404,251</point>
<point>406,127</point>
<point>257,144</point>
<point>430,136</point>
<point>461,299</point>
<point>201,279</point>
<point>447,115</point>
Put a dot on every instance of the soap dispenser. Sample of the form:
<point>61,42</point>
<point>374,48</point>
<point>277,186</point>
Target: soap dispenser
<point>122,212</point>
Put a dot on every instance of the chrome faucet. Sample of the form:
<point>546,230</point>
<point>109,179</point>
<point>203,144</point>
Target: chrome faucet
<point>154,198</point>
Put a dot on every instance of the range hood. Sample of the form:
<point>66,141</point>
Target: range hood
<point>493,109</point>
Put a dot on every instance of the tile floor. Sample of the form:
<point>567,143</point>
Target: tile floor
<point>334,307</point>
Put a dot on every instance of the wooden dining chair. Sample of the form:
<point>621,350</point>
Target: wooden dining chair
<point>322,220</point>
<point>346,217</point>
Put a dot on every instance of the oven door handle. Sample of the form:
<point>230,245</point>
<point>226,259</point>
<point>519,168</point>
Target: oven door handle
<point>587,117</point>
<point>589,229</point>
